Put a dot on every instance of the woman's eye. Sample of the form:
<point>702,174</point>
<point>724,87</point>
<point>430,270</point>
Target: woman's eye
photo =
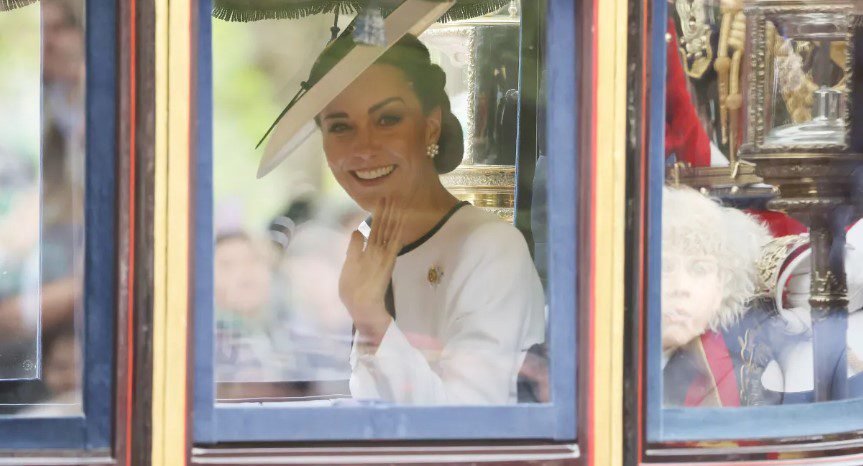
<point>389,120</point>
<point>338,128</point>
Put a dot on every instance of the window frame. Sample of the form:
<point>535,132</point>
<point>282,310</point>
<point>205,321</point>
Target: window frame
<point>665,425</point>
<point>93,429</point>
<point>552,421</point>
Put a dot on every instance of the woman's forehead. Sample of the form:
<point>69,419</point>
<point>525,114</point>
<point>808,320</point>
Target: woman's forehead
<point>376,84</point>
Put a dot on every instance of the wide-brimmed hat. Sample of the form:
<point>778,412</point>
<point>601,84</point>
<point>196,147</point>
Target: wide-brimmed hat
<point>255,10</point>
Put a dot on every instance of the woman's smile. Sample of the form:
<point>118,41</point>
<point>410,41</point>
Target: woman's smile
<point>373,174</point>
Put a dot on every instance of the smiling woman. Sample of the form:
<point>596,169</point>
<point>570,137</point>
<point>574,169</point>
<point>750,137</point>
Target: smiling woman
<point>444,297</point>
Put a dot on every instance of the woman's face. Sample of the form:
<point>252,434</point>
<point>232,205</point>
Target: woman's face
<point>375,137</point>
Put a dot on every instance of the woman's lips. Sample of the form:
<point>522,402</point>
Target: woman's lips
<point>373,174</point>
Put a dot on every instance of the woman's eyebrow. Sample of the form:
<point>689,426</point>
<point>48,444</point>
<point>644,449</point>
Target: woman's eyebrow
<point>374,108</point>
<point>335,115</point>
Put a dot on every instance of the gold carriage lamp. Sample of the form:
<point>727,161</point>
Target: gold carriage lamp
<point>801,132</point>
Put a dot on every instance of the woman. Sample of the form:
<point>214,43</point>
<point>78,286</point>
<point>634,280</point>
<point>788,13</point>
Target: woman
<point>444,296</point>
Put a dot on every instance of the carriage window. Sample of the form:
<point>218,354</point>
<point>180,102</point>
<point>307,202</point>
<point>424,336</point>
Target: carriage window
<point>762,271</point>
<point>377,261</point>
<point>42,144</point>
<point>384,246</point>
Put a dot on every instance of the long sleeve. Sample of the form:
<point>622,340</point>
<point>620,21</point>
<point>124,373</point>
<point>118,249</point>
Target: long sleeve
<point>494,313</point>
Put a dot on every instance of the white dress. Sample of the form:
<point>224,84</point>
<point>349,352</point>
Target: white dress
<point>468,306</point>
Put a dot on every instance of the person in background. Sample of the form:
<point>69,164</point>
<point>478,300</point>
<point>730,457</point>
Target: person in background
<point>244,316</point>
<point>715,338</point>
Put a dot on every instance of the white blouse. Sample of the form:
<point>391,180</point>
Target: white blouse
<point>468,306</point>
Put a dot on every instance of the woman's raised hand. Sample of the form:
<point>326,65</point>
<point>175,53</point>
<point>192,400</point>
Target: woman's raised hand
<point>368,269</point>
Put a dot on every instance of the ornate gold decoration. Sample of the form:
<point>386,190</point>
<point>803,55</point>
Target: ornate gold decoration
<point>738,179</point>
<point>773,255</point>
<point>828,289</point>
<point>435,275</point>
<point>695,48</point>
<point>731,37</point>
<point>758,80</point>
<point>765,43</point>
<point>490,187</point>
<point>754,357</point>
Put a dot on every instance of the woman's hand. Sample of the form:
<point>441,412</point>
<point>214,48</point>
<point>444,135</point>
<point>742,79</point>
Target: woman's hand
<point>367,272</point>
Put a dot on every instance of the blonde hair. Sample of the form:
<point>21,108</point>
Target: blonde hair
<point>695,224</point>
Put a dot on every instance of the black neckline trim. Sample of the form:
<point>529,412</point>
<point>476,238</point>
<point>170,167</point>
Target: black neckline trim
<point>422,239</point>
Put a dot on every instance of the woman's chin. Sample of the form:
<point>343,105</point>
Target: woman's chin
<point>369,197</point>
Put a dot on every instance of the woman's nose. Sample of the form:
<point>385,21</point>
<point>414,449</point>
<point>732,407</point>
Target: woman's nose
<point>364,142</point>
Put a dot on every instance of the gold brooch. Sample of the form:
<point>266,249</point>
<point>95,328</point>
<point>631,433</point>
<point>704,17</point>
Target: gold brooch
<point>435,275</point>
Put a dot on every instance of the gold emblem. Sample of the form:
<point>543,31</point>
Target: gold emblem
<point>695,47</point>
<point>435,275</point>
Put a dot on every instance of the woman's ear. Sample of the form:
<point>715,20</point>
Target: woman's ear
<point>433,125</point>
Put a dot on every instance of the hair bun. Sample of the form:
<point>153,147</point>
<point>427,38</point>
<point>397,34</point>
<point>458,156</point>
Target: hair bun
<point>438,76</point>
<point>451,142</point>
<point>451,139</point>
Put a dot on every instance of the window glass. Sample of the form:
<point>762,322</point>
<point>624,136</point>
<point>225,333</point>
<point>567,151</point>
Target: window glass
<point>42,147</point>
<point>743,191</point>
<point>378,261</point>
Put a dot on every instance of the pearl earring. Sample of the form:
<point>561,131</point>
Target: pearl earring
<point>432,150</point>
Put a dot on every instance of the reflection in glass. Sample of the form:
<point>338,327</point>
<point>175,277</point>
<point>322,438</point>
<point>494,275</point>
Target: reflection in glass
<point>281,330</point>
<point>787,264</point>
<point>759,348</point>
<point>808,79</point>
<point>443,312</point>
<point>19,196</point>
<point>42,144</point>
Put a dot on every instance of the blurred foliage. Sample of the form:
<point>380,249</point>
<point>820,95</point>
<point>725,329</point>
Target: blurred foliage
<point>20,83</point>
<point>257,68</point>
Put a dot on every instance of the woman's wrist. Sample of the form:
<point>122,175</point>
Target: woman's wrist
<point>373,329</point>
